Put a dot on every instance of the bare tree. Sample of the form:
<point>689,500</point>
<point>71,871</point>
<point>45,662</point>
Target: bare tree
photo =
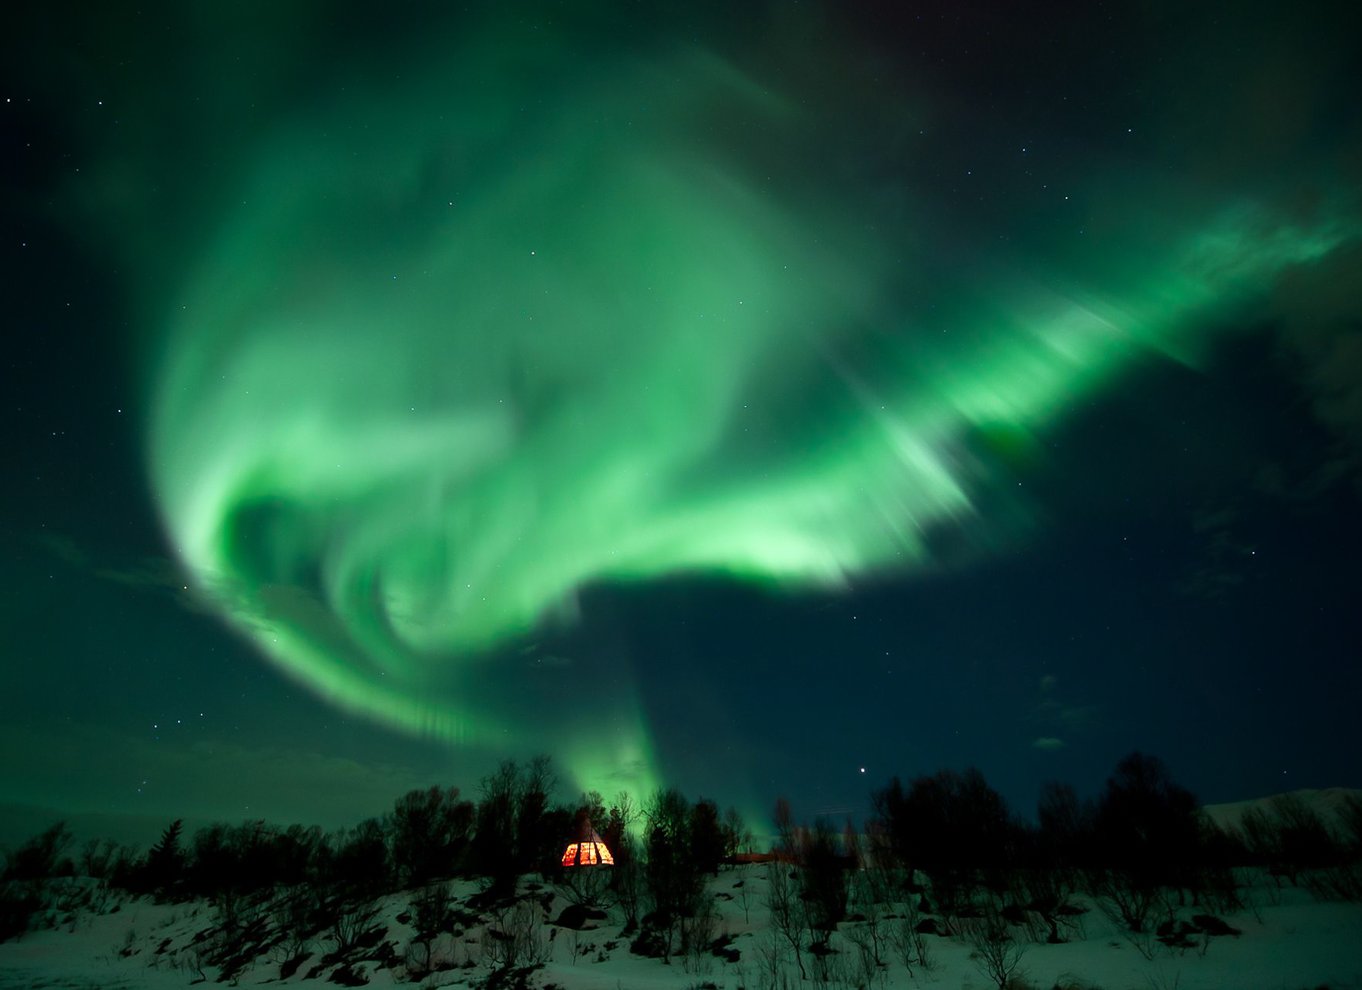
<point>97,857</point>
<point>429,830</point>
<point>293,916</point>
<point>672,876</point>
<point>737,836</point>
<point>745,898</point>
<point>41,856</point>
<point>626,878</point>
<point>625,810</point>
<point>1350,822</point>
<point>697,936</point>
<point>867,898</point>
<point>770,961</point>
<point>787,916</point>
<point>822,881</point>
<point>867,954</point>
<point>911,943</point>
<point>997,953</point>
<point>349,922</point>
<point>1123,899</point>
<point>432,913</point>
<point>516,938</point>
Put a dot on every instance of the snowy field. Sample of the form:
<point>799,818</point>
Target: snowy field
<point>1288,941</point>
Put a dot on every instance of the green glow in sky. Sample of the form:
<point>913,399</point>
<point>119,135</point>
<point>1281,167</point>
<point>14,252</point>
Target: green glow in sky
<point>443,361</point>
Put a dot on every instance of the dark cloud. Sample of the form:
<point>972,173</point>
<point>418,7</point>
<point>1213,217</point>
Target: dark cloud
<point>1053,713</point>
<point>1219,564</point>
<point>1321,333</point>
<point>550,661</point>
<point>151,574</point>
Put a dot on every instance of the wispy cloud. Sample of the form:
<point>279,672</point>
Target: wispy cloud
<point>1219,566</point>
<point>1059,717</point>
<point>1322,332</point>
<point>153,574</point>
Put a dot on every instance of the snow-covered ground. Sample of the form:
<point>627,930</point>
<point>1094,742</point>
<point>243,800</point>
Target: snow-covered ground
<point>1288,942</point>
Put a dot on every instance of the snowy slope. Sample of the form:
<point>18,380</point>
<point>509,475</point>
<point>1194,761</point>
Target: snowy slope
<point>1287,941</point>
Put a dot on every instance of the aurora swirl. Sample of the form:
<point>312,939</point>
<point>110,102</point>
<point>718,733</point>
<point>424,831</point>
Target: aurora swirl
<point>440,362</point>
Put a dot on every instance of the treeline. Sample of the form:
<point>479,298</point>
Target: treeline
<point>1138,849</point>
<point>1144,832</point>
<point>947,842</point>
<point>945,857</point>
<point>513,828</point>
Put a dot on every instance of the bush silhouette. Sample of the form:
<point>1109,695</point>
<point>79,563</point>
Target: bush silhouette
<point>430,834</point>
<point>952,826</point>
<point>1147,837</point>
<point>41,856</point>
<point>164,866</point>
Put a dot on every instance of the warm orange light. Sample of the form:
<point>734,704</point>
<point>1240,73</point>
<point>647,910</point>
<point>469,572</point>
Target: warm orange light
<point>588,850</point>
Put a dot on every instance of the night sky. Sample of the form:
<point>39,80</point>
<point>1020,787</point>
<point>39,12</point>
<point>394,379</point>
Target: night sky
<point>761,399</point>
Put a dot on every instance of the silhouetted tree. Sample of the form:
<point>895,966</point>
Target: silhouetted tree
<point>257,849</point>
<point>822,880</point>
<point>165,862</point>
<point>1146,832</point>
<point>996,951</point>
<point>357,864</point>
<point>672,877</point>
<point>538,829</point>
<point>125,868</point>
<point>623,814</point>
<point>494,840</point>
<point>1350,819</point>
<point>952,826</point>
<point>785,828</point>
<point>1064,835</point>
<point>785,908</point>
<point>592,807</point>
<point>41,856</point>
<point>1289,836</point>
<point>626,879</point>
<point>212,866</point>
<point>429,832</point>
<point>296,852</point>
<point>22,879</point>
<point>97,858</point>
<point>892,822</point>
<point>706,837</point>
<point>297,917</point>
<point>737,836</point>
<point>515,829</point>
<point>432,913</point>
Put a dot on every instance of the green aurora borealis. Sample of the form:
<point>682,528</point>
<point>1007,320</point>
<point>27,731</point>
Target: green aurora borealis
<point>404,414</point>
<point>441,338</point>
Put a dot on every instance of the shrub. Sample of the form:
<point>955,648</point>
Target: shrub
<point>357,861</point>
<point>41,856</point>
<point>823,879</point>
<point>952,826</point>
<point>1147,834</point>
<point>430,830</point>
<point>19,901</point>
<point>163,868</point>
